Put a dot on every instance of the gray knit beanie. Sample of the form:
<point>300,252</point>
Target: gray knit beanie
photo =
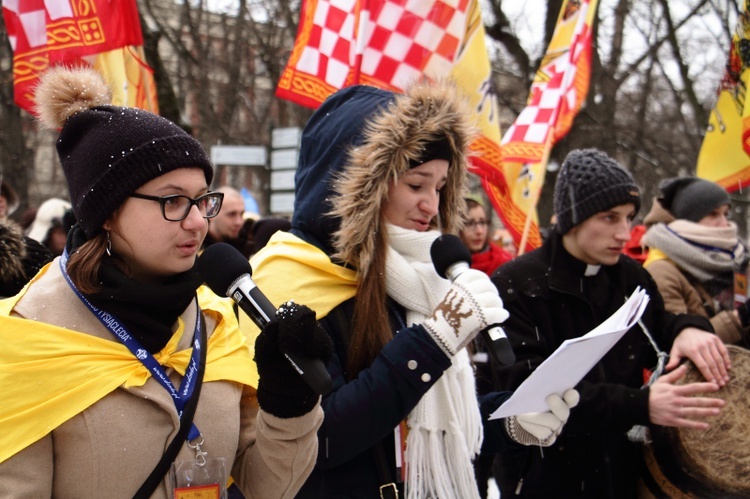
<point>589,182</point>
<point>691,198</point>
<point>107,152</point>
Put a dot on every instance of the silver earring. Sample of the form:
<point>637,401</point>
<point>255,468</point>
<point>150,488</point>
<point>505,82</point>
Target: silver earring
<point>109,245</point>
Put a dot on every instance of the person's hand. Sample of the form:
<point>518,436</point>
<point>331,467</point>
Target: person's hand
<point>470,305</point>
<point>706,350</point>
<point>281,390</point>
<point>678,405</point>
<point>542,428</point>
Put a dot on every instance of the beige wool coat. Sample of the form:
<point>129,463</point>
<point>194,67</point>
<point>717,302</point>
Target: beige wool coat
<point>682,296</point>
<point>110,448</point>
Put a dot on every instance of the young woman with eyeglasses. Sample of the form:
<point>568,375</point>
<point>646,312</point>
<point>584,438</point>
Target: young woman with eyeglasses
<point>115,351</point>
<point>485,254</point>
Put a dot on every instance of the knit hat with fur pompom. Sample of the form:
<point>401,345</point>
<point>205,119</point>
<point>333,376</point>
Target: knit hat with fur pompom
<point>107,152</point>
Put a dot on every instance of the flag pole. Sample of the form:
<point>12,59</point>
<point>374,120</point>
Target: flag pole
<point>359,42</point>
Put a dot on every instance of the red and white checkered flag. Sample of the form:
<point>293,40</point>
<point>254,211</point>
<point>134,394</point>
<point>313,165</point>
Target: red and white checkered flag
<point>384,43</point>
<point>101,33</point>
<point>556,95</point>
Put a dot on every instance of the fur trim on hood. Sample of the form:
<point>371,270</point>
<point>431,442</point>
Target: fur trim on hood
<point>20,259</point>
<point>358,142</point>
<point>12,253</point>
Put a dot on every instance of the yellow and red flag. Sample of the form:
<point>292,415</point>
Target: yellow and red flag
<point>724,157</point>
<point>103,33</point>
<point>387,44</point>
<point>557,93</point>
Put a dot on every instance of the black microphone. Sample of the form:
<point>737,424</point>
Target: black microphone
<point>451,259</point>
<point>227,272</point>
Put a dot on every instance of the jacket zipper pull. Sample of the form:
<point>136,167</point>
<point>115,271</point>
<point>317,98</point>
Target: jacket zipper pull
<point>519,487</point>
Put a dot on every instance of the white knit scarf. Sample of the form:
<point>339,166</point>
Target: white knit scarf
<point>445,428</point>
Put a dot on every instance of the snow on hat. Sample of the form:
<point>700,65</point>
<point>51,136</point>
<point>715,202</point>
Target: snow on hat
<point>107,152</point>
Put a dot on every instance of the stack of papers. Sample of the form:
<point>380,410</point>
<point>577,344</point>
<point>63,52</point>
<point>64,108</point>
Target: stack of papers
<point>567,365</point>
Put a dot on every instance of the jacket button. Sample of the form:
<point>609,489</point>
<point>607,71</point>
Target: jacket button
<point>412,364</point>
<point>426,377</point>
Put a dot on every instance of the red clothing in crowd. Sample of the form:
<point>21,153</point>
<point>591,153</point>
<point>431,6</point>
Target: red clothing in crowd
<point>490,259</point>
<point>633,248</point>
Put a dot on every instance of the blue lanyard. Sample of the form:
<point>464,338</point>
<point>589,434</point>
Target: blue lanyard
<point>179,396</point>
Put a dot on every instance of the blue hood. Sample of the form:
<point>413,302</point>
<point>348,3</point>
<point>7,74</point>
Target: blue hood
<point>336,126</point>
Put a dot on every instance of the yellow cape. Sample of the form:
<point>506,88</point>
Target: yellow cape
<point>48,374</point>
<point>289,268</point>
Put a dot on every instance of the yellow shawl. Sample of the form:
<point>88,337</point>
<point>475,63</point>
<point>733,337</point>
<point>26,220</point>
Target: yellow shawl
<point>654,254</point>
<point>289,268</point>
<point>48,374</point>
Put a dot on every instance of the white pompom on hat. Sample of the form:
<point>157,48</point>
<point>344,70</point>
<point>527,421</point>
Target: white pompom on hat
<point>50,212</point>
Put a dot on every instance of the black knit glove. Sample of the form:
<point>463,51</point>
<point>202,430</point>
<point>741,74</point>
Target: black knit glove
<point>743,312</point>
<point>281,390</point>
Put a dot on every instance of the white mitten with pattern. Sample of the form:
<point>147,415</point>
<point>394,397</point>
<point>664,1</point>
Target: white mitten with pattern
<point>470,305</point>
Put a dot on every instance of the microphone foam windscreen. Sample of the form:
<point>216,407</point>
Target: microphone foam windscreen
<point>220,265</point>
<point>447,250</point>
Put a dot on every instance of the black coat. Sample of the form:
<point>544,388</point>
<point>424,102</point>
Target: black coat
<point>362,412</point>
<point>549,301</point>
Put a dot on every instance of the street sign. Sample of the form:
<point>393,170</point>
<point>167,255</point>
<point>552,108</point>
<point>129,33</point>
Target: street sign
<point>282,180</point>
<point>239,155</point>
<point>284,159</point>
<point>285,137</point>
<point>282,202</point>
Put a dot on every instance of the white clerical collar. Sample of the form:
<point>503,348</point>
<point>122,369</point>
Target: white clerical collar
<point>592,270</point>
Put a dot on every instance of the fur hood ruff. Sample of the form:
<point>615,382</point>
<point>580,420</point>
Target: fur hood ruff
<point>358,142</point>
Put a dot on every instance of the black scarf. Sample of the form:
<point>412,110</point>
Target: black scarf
<point>148,311</point>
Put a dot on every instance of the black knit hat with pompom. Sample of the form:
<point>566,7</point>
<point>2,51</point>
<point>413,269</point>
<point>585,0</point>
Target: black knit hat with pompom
<point>107,152</point>
<point>589,182</point>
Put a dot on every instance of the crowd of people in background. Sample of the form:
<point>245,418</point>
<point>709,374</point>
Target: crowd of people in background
<point>380,177</point>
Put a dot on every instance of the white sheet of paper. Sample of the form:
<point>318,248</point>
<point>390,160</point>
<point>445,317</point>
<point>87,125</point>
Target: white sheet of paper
<point>572,360</point>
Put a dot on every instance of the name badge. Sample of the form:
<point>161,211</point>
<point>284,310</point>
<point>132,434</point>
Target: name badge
<point>199,480</point>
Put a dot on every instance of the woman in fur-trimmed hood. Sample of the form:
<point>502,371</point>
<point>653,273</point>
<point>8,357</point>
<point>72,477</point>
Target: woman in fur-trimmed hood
<point>429,124</point>
<point>380,177</point>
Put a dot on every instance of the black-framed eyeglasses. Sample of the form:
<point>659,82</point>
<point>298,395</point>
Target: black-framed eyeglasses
<point>176,207</point>
<point>470,224</point>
